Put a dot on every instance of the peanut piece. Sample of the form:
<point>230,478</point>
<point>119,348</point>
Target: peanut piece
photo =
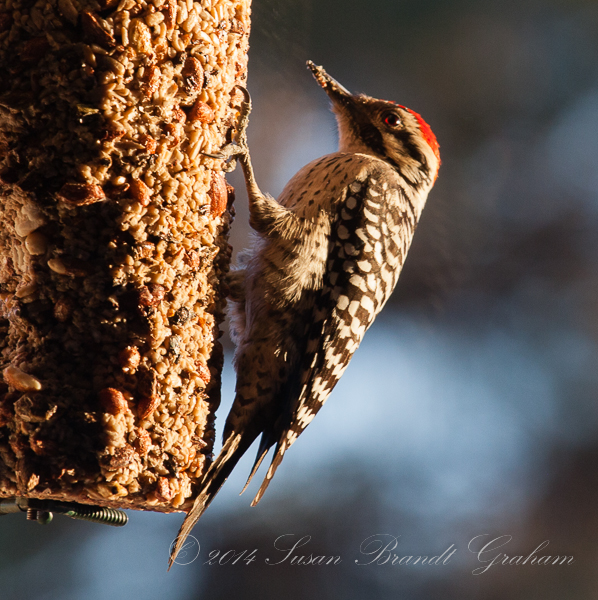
<point>147,406</point>
<point>129,359</point>
<point>201,112</point>
<point>218,195</point>
<point>113,401</point>
<point>81,194</point>
<point>143,443</point>
<point>36,243</point>
<point>163,491</point>
<point>140,192</point>
<point>193,74</point>
<point>21,381</point>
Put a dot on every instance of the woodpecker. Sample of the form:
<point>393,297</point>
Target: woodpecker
<point>325,260</point>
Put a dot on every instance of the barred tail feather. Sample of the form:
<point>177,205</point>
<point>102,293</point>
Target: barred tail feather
<point>233,449</point>
<point>265,444</point>
<point>276,460</point>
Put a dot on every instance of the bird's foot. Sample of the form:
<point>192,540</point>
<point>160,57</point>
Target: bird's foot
<point>237,147</point>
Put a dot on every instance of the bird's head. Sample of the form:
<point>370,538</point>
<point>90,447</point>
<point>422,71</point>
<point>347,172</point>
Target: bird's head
<point>384,129</point>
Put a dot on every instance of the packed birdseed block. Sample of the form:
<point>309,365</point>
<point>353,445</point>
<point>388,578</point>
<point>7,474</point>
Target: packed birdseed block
<point>113,243</point>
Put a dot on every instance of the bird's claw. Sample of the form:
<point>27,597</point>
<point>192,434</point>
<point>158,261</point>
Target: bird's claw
<point>238,146</point>
<point>229,154</point>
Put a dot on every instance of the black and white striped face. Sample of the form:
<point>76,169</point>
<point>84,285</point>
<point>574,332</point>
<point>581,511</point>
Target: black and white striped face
<point>385,129</point>
<point>392,132</point>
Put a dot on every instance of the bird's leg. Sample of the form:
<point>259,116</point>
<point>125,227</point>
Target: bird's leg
<point>238,145</point>
<point>253,190</point>
<point>238,149</point>
<point>264,211</point>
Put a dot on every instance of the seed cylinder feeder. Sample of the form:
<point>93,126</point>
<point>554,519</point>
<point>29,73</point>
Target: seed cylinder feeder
<point>113,245</point>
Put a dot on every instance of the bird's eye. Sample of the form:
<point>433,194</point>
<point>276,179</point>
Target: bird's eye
<point>391,119</point>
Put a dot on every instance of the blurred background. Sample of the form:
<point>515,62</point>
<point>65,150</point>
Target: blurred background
<point>470,408</point>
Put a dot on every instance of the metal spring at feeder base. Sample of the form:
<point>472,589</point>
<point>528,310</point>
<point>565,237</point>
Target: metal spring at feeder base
<point>98,514</point>
<point>41,511</point>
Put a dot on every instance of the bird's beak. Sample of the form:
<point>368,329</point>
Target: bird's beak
<point>336,92</point>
